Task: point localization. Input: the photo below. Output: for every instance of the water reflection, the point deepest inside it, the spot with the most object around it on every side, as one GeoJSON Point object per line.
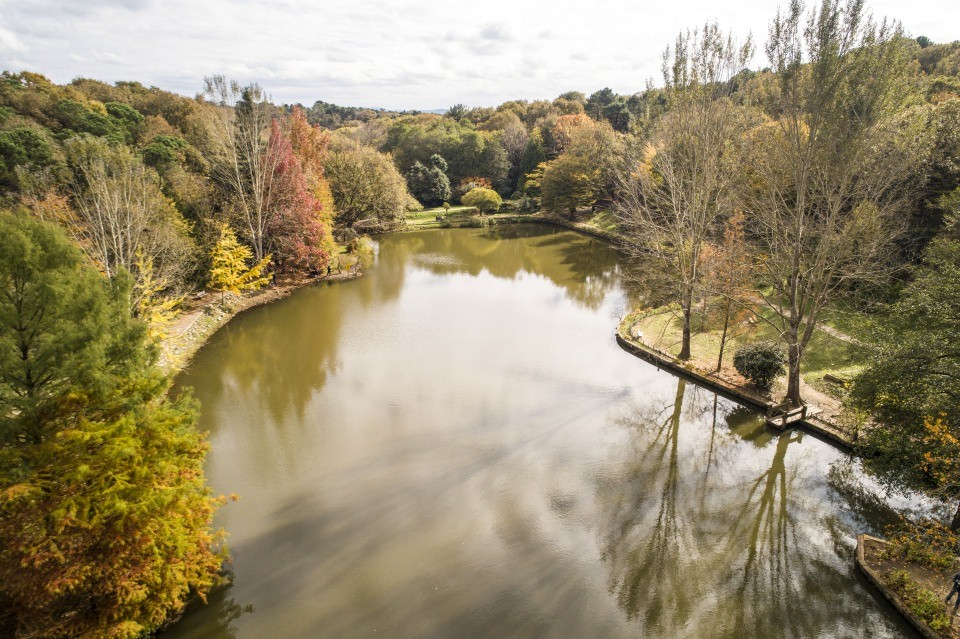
{"type": "Point", "coordinates": [584, 268]}
{"type": "Point", "coordinates": [703, 533]}
{"type": "Point", "coordinates": [454, 445]}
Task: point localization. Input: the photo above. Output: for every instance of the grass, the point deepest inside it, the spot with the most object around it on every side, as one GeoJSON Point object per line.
{"type": "Point", "coordinates": [844, 316]}
{"type": "Point", "coordinates": [825, 354]}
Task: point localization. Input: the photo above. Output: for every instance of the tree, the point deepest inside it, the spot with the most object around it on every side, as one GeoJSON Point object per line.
{"type": "Point", "coordinates": [824, 184]}
{"type": "Point", "coordinates": [298, 233]}
{"type": "Point", "coordinates": [311, 145]}
{"type": "Point", "coordinates": [105, 519]}
{"type": "Point", "coordinates": [365, 183]}
{"type": "Point", "coordinates": [429, 184]}
{"type": "Point", "coordinates": [487, 200]}
{"type": "Point", "coordinates": [681, 182]}
{"type": "Point", "coordinates": [239, 129]}
{"type": "Point", "coordinates": [22, 147]}
{"type": "Point", "coordinates": [456, 112]}
{"type": "Point", "coordinates": [912, 385]}
{"type": "Point", "coordinates": [618, 114]}
{"type": "Point", "coordinates": [120, 217]}
{"type": "Point", "coordinates": [228, 268]}
{"type": "Point", "coordinates": [533, 155]}
{"type": "Point", "coordinates": [598, 101]}
{"type": "Point", "coordinates": [729, 279]}
{"type": "Point", "coordinates": [568, 182]}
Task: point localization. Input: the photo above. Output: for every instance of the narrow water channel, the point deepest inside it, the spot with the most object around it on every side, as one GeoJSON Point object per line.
{"type": "Point", "coordinates": [455, 446]}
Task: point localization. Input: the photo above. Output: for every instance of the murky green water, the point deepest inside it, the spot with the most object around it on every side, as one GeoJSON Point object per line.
{"type": "Point", "coordinates": [454, 446]}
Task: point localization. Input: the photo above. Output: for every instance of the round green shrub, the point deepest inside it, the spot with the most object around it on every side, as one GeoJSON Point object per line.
{"type": "Point", "coordinates": [761, 363]}
{"type": "Point", "coordinates": [487, 200]}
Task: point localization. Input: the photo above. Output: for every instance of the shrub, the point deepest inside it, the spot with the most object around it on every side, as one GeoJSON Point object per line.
{"type": "Point", "coordinates": [927, 543]}
{"type": "Point", "coordinates": [760, 363]}
{"type": "Point", "coordinates": [925, 604]}
{"type": "Point", "coordinates": [487, 200]}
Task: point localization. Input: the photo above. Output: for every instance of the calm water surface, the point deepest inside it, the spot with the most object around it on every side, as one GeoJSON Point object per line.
{"type": "Point", "coordinates": [454, 446]}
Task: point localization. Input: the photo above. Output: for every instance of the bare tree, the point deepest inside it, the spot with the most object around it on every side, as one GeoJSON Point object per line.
{"type": "Point", "coordinates": [678, 186]}
{"type": "Point", "coordinates": [120, 217]}
{"type": "Point", "coordinates": [826, 174]}
{"type": "Point", "coordinates": [244, 163]}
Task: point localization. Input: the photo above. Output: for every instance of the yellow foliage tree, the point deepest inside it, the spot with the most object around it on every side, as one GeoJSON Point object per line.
{"type": "Point", "coordinates": [229, 272]}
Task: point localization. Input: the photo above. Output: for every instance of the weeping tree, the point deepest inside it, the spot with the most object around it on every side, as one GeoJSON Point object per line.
{"type": "Point", "coordinates": [826, 176]}
{"type": "Point", "coordinates": [678, 186]}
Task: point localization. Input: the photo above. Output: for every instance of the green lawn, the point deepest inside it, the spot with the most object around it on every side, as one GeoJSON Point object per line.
{"type": "Point", "coordinates": [825, 353]}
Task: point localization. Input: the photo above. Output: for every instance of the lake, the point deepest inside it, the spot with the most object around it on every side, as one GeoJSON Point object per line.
{"type": "Point", "coordinates": [455, 446]}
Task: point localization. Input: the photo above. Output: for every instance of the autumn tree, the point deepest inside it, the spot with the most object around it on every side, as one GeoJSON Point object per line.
{"type": "Point", "coordinates": [228, 266]}
{"type": "Point", "coordinates": [243, 162]}
{"type": "Point", "coordinates": [298, 235]}
{"type": "Point", "coordinates": [825, 179]}
{"type": "Point", "coordinates": [729, 280]}
{"type": "Point", "coordinates": [366, 184]}
{"type": "Point", "coordinates": [569, 182]}
{"type": "Point", "coordinates": [120, 217]}
{"type": "Point", "coordinates": [105, 519]}
{"type": "Point", "coordinates": [679, 186]}
{"type": "Point", "coordinates": [311, 145]}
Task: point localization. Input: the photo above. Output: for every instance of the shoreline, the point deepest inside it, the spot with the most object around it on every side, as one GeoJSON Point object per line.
{"type": "Point", "coordinates": [661, 359]}
{"type": "Point", "coordinates": [193, 328]}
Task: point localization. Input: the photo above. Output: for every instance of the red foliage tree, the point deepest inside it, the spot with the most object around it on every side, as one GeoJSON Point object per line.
{"type": "Point", "coordinates": [298, 230]}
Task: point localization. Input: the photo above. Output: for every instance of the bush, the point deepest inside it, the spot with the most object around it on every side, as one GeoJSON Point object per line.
{"type": "Point", "coordinates": [925, 604]}
{"type": "Point", "coordinates": [927, 543]}
{"type": "Point", "coordinates": [487, 200]}
{"type": "Point", "coordinates": [761, 363]}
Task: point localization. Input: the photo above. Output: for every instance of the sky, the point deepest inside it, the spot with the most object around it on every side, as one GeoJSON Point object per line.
{"type": "Point", "coordinates": [399, 54]}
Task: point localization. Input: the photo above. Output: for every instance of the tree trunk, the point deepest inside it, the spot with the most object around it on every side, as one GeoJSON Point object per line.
{"type": "Point", "coordinates": [723, 336]}
{"type": "Point", "coordinates": [687, 312]}
{"type": "Point", "coordinates": [955, 522]}
{"type": "Point", "coordinates": [793, 374]}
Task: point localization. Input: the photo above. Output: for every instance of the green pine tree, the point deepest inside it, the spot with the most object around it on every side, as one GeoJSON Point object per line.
{"type": "Point", "coordinates": [105, 518]}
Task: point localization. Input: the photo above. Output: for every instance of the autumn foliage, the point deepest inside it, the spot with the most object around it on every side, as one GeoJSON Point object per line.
{"type": "Point", "coordinates": [298, 233]}
{"type": "Point", "coordinates": [105, 518]}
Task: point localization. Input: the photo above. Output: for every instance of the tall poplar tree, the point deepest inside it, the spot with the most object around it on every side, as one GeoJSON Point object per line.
{"type": "Point", "coordinates": [825, 182]}
{"type": "Point", "coordinates": [678, 189]}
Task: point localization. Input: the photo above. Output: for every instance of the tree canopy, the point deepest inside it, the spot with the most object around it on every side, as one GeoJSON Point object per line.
{"type": "Point", "coordinates": [105, 519]}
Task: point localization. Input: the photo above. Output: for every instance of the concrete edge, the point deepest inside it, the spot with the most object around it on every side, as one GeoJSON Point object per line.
{"type": "Point", "coordinates": [579, 228]}
{"type": "Point", "coordinates": [664, 360]}
{"type": "Point", "coordinates": [888, 594]}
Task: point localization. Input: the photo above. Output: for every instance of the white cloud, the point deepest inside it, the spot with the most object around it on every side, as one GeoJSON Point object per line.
{"type": "Point", "coordinates": [398, 54]}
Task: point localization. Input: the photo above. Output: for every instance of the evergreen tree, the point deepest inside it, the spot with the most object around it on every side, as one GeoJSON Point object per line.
{"type": "Point", "coordinates": [228, 269]}
{"type": "Point", "coordinates": [430, 184]}
{"type": "Point", "coordinates": [533, 156]}
{"type": "Point", "coordinates": [912, 386]}
{"type": "Point", "coordinates": [104, 513]}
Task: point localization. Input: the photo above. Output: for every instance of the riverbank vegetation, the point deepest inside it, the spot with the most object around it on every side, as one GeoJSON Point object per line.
{"type": "Point", "coordinates": [822, 189]}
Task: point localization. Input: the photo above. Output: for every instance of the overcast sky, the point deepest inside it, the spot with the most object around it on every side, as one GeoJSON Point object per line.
{"type": "Point", "coordinates": [398, 54]}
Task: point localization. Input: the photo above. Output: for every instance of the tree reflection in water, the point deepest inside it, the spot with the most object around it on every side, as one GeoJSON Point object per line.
{"type": "Point", "coordinates": [646, 546]}
{"type": "Point", "coordinates": [707, 527]}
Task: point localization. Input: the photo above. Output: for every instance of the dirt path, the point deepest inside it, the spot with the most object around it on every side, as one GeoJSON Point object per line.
{"type": "Point", "coordinates": [840, 335]}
